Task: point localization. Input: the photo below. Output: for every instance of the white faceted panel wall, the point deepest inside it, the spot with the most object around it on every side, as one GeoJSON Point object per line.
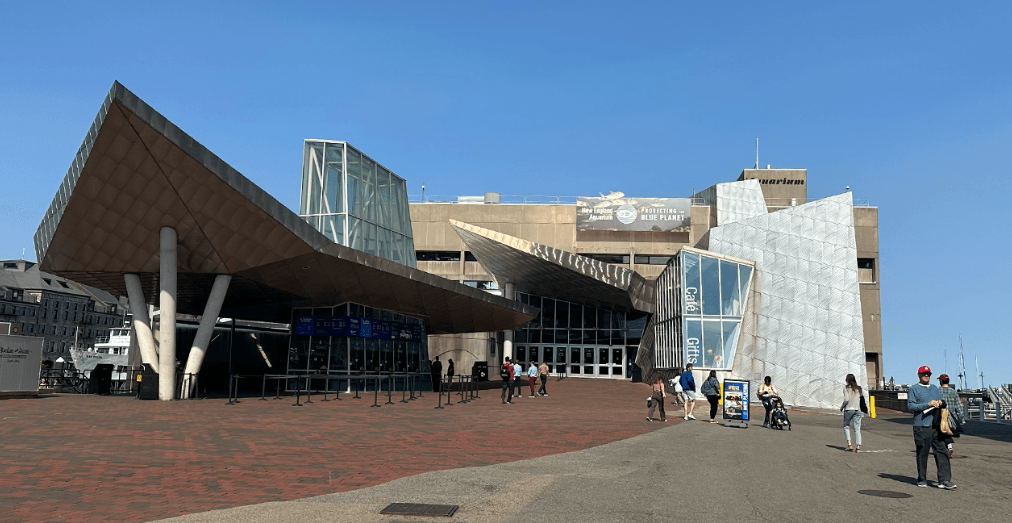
{"type": "Point", "coordinates": [737, 201]}
{"type": "Point", "coordinates": [808, 331]}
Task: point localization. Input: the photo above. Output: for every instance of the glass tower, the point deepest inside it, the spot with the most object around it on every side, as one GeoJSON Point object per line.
{"type": "Point", "coordinates": [355, 201]}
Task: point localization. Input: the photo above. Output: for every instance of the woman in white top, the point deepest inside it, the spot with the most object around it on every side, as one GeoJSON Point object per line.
{"type": "Point", "coordinates": [851, 408]}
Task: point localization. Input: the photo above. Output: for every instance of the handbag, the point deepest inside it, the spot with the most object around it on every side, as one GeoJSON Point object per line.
{"type": "Point", "coordinates": [678, 386]}
{"type": "Point", "coordinates": [650, 402]}
{"type": "Point", "coordinates": [944, 423]}
{"type": "Point", "coordinates": [864, 405]}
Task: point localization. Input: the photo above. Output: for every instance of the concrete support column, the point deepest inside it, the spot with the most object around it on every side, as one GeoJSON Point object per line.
{"type": "Point", "coordinates": [167, 306]}
{"type": "Point", "coordinates": [141, 321]}
{"type": "Point", "coordinates": [507, 344]}
{"type": "Point", "coordinates": [204, 332]}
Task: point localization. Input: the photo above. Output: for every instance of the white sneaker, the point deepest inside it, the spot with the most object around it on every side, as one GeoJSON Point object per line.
{"type": "Point", "coordinates": [690, 416]}
{"type": "Point", "coordinates": [686, 418]}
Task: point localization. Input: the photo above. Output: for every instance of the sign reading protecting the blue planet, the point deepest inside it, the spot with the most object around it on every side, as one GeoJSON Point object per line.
{"type": "Point", "coordinates": [615, 212]}
{"type": "Point", "coordinates": [356, 327]}
{"type": "Point", "coordinates": [736, 399]}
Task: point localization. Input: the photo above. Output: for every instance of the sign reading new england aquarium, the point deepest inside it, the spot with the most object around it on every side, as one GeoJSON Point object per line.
{"type": "Point", "coordinates": [736, 399]}
{"type": "Point", "coordinates": [610, 213]}
{"type": "Point", "coordinates": [356, 327]}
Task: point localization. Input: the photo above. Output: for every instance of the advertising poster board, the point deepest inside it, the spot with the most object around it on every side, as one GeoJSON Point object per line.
{"type": "Point", "coordinates": [20, 358]}
{"type": "Point", "coordinates": [736, 393]}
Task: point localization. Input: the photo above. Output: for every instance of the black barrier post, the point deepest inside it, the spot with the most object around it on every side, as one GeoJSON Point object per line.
{"type": "Point", "coordinates": [404, 390]}
{"type": "Point", "coordinates": [411, 379]}
{"type": "Point", "coordinates": [357, 386]}
{"type": "Point", "coordinates": [326, 387]}
{"type": "Point", "coordinates": [277, 388]}
{"type": "Point", "coordinates": [390, 389]}
{"type": "Point", "coordinates": [298, 391]}
{"type": "Point", "coordinates": [237, 388]}
{"type": "Point", "coordinates": [375, 397]}
{"type": "Point", "coordinates": [460, 388]}
{"type": "Point", "coordinates": [309, 388]}
{"type": "Point", "coordinates": [420, 382]}
{"type": "Point", "coordinates": [230, 402]}
{"type": "Point", "coordinates": [263, 391]}
{"type": "Point", "coordinates": [476, 396]}
{"type": "Point", "coordinates": [337, 393]}
{"type": "Point", "coordinates": [439, 395]}
{"type": "Point", "coordinates": [449, 390]}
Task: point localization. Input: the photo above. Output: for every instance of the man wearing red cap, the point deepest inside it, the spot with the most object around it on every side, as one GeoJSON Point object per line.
{"type": "Point", "coordinates": [925, 401]}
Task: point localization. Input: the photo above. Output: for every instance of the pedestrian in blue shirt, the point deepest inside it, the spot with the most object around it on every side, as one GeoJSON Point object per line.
{"type": "Point", "coordinates": [925, 401]}
{"type": "Point", "coordinates": [688, 384]}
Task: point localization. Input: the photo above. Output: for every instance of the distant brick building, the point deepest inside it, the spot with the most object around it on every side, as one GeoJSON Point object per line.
{"type": "Point", "coordinates": [56, 309]}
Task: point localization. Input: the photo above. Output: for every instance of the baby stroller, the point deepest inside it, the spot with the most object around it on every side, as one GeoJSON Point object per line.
{"type": "Point", "coordinates": [778, 416]}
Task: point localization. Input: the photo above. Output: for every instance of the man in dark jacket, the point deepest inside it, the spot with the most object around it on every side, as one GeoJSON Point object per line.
{"type": "Point", "coordinates": [437, 375]}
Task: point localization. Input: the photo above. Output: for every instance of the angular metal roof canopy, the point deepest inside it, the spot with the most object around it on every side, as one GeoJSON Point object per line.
{"type": "Point", "coordinates": [537, 268]}
{"type": "Point", "coordinates": [137, 172]}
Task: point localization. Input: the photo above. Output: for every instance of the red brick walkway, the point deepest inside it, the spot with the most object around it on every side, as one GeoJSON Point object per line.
{"type": "Point", "coordinates": [91, 458]}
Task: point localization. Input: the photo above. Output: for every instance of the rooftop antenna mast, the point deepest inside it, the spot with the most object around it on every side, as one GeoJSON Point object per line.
{"type": "Point", "coordinates": [962, 368]}
{"type": "Point", "coordinates": [979, 373]}
{"type": "Point", "coordinates": [756, 152]}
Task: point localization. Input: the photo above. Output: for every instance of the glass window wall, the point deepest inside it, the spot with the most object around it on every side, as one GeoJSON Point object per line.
{"type": "Point", "coordinates": [713, 301]}
{"type": "Point", "coordinates": [355, 201]}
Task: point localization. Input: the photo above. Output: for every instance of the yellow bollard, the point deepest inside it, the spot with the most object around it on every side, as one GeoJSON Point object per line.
{"type": "Point", "coordinates": [871, 406]}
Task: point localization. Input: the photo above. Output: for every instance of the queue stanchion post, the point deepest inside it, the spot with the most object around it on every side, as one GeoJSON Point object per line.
{"type": "Point", "coordinates": [460, 388]}
{"type": "Point", "coordinates": [309, 388]}
{"type": "Point", "coordinates": [237, 388]}
{"type": "Point", "coordinates": [439, 394]}
{"type": "Point", "coordinates": [404, 389]}
{"type": "Point", "coordinates": [263, 391]}
{"type": "Point", "coordinates": [358, 385]}
{"type": "Point", "coordinates": [411, 379]}
{"type": "Point", "coordinates": [449, 389]}
{"type": "Point", "coordinates": [230, 402]}
{"type": "Point", "coordinates": [375, 398]}
{"type": "Point", "coordinates": [337, 392]}
{"type": "Point", "coordinates": [326, 386]}
{"type": "Point", "coordinates": [390, 389]}
{"type": "Point", "coordinates": [298, 391]}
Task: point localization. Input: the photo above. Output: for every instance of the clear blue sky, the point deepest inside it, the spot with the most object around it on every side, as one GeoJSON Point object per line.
{"type": "Point", "coordinates": [908, 103]}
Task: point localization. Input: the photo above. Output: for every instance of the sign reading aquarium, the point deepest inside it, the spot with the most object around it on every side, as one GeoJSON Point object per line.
{"type": "Point", "coordinates": [615, 212]}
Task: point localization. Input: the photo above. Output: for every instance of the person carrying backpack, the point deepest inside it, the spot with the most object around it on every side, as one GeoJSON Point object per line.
{"type": "Point", "coordinates": [506, 374]}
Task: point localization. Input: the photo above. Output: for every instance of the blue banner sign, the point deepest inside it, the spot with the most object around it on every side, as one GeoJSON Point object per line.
{"type": "Point", "coordinates": [305, 326]}
{"type": "Point", "coordinates": [356, 327]}
{"type": "Point", "coordinates": [736, 399]}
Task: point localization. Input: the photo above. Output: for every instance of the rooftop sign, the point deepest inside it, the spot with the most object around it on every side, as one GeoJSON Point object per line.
{"type": "Point", "coordinates": [618, 213]}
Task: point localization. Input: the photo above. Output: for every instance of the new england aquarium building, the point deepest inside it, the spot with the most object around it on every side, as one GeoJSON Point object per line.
{"type": "Point", "coordinates": [749, 277]}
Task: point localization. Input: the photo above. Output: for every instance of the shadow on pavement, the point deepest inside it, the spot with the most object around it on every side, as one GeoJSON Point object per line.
{"type": "Point", "coordinates": [837, 447]}
{"type": "Point", "coordinates": [897, 477]}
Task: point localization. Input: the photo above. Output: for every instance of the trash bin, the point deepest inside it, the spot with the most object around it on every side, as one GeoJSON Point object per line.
{"type": "Point", "coordinates": [149, 383]}
{"type": "Point", "coordinates": [480, 369]}
{"type": "Point", "coordinates": [101, 379]}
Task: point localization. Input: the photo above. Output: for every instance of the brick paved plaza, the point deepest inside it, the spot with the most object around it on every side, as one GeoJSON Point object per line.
{"type": "Point", "coordinates": [99, 458]}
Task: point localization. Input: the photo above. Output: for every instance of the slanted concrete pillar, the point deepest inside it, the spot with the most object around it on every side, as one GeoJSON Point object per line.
{"type": "Point", "coordinates": [204, 332]}
{"type": "Point", "coordinates": [167, 322]}
{"type": "Point", "coordinates": [142, 321]}
{"type": "Point", "coordinates": [507, 344]}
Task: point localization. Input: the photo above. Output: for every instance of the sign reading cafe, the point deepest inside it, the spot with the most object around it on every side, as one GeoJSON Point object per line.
{"type": "Point", "coordinates": [615, 212]}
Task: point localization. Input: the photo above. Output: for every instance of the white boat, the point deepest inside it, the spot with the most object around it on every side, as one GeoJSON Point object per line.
{"type": "Point", "coordinates": [114, 350]}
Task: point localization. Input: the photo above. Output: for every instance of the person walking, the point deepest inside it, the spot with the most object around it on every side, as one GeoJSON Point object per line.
{"type": "Point", "coordinates": [657, 398]}
{"type": "Point", "coordinates": [449, 369]}
{"type": "Point", "coordinates": [532, 376]}
{"type": "Point", "coordinates": [851, 408]}
{"type": "Point", "coordinates": [956, 409]}
{"type": "Point", "coordinates": [711, 389]}
{"type": "Point", "coordinates": [518, 376]}
{"type": "Point", "coordinates": [506, 374]}
{"type": "Point", "coordinates": [543, 371]}
{"type": "Point", "coordinates": [766, 393]}
{"type": "Point", "coordinates": [688, 383]}
{"type": "Point", "coordinates": [924, 400]}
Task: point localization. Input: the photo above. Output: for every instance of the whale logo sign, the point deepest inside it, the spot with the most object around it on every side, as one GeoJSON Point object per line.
{"type": "Point", "coordinates": [626, 214]}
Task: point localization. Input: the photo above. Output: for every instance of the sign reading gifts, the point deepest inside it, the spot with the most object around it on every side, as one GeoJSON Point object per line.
{"type": "Point", "coordinates": [736, 399]}
{"type": "Point", "coordinates": [356, 327]}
